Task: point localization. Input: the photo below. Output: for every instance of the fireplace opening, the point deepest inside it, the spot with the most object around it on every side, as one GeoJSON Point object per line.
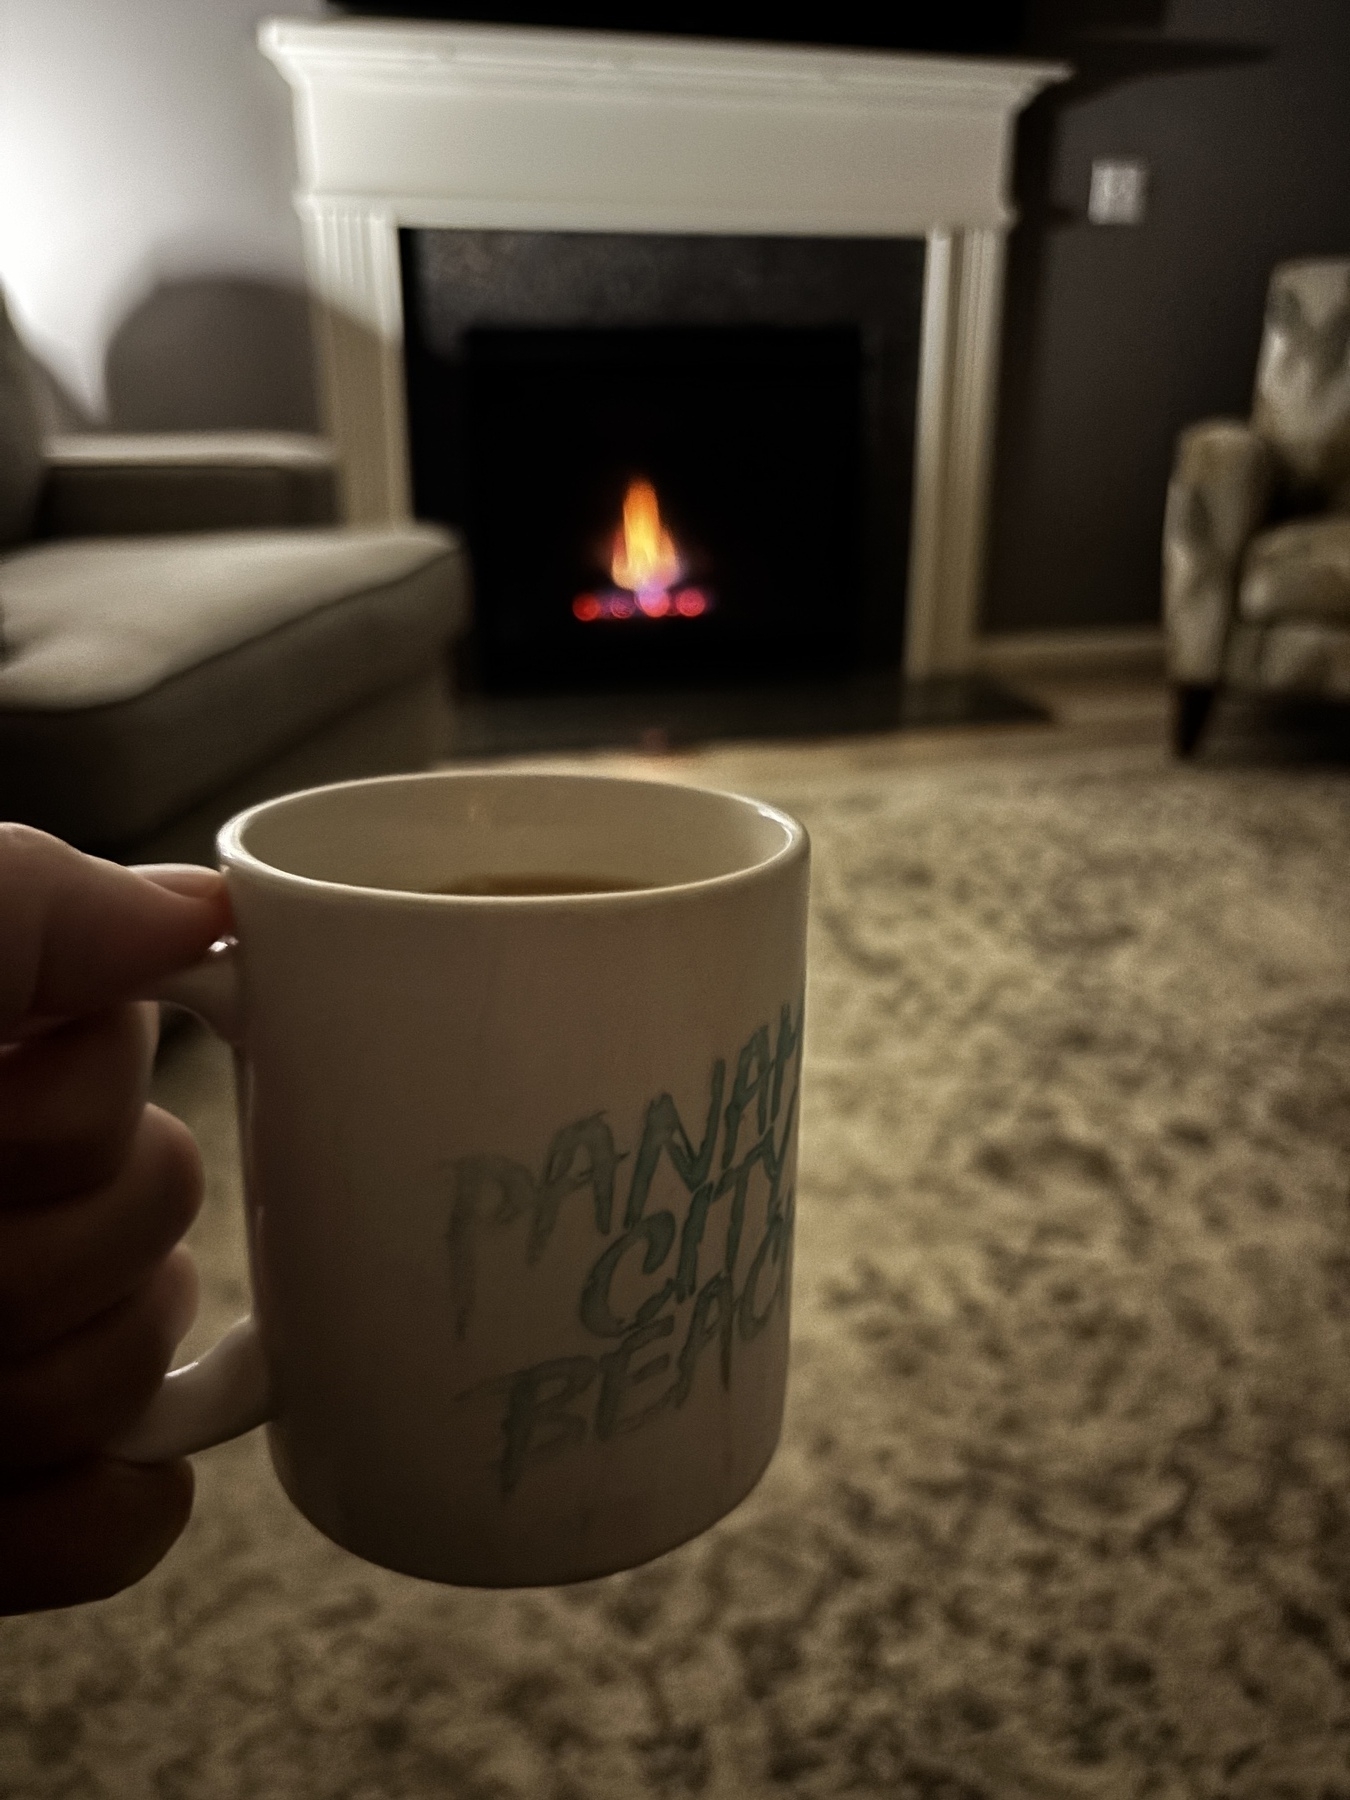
{"type": "Point", "coordinates": [746, 404]}
{"type": "Point", "coordinates": [663, 506]}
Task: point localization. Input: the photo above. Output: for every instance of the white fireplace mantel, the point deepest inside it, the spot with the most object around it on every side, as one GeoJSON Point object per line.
{"type": "Point", "coordinates": [512, 128]}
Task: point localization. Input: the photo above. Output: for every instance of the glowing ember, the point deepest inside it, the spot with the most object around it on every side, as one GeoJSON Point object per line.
{"type": "Point", "coordinates": [610, 603]}
{"type": "Point", "coordinates": [646, 569]}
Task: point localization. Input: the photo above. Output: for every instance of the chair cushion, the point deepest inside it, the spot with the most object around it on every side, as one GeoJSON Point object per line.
{"type": "Point", "coordinates": [1298, 571]}
{"type": "Point", "coordinates": [104, 619]}
{"type": "Point", "coordinates": [1302, 404]}
{"type": "Point", "coordinates": [22, 465]}
{"type": "Point", "coordinates": [1297, 656]}
{"type": "Point", "coordinates": [105, 774]}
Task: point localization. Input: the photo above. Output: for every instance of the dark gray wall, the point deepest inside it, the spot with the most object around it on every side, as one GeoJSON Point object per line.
{"type": "Point", "coordinates": [1117, 336]}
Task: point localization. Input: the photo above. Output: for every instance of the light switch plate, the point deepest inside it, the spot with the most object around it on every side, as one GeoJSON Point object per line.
{"type": "Point", "coordinates": [1119, 191]}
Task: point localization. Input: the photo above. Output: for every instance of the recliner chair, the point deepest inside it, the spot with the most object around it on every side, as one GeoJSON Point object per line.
{"type": "Point", "coordinates": [1256, 538]}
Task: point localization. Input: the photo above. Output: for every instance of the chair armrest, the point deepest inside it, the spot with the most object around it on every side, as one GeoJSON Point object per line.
{"type": "Point", "coordinates": [152, 482]}
{"type": "Point", "coordinates": [1217, 497]}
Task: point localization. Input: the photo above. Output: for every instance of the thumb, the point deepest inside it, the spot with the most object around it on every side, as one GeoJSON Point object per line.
{"type": "Point", "coordinates": [85, 1533]}
{"type": "Point", "coordinates": [79, 934]}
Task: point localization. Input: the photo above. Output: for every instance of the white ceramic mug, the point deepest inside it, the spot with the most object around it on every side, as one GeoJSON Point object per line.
{"type": "Point", "coordinates": [519, 1169]}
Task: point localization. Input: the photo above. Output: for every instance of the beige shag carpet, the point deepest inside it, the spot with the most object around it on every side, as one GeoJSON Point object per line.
{"type": "Point", "coordinates": [1062, 1510]}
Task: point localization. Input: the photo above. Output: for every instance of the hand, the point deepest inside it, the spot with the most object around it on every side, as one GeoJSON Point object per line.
{"type": "Point", "coordinates": [96, 1189]}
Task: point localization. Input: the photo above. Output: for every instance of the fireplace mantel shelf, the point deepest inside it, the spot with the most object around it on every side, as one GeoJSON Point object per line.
{"type": "Point", "coordinates": [506, 128]}
{"type": "Point", "coordinates": [496, 57]}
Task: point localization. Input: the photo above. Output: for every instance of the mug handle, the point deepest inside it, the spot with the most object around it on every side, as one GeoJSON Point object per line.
{"type": "Point", "coordinates": [228, 1391]}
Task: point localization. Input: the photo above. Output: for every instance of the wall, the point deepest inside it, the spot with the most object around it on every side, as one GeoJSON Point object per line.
{"type": "Point", "coordinates": [147, 239]}
{"type": "Point", "coordinates": [1117, 336]}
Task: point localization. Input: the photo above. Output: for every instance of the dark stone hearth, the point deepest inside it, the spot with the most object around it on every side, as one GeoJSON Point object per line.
{"type": "Point", "coordinates": [513, 725]}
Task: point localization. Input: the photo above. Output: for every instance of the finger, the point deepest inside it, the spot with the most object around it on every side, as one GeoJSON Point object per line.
{"type": "Point", "coordinates": [80, 1394]}
{"type": "Point", "coordinates": [63, 1266]}
{"type": "Point", "coordinates": [82, 934]}
{"type": "Point", "coordinates": [88, 1532]}
{"type": "Point", "coordinates": [193, 879]}
{"type": "Point", "coordinates": [70, 1102]}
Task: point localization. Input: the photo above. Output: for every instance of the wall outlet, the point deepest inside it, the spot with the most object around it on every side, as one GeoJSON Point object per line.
{"type": "Point", "coordinates": [1119, 192]}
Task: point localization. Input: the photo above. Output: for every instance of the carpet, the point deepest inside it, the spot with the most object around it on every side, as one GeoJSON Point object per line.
{"type": "Point", "coordinates": [1062, 1509]}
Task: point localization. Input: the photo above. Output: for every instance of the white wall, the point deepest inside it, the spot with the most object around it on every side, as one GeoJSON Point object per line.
{"type": "Point", "coordinates": [146, 162]}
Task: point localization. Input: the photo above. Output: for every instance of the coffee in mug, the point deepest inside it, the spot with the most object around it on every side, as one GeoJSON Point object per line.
{"type": "Point", "coordinates": [519, 1164]}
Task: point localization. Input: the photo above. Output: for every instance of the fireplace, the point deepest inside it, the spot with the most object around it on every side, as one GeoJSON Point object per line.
{"type": "Point", "coordinates": [754, 399]}
{"type": "Point", "coordinates": [641, 511]}
{"type": "Point", "coordinates": [404, 126]}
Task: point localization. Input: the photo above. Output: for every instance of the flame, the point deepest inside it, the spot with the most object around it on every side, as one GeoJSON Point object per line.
{"type": "Point", "coordinates": [645, 558]}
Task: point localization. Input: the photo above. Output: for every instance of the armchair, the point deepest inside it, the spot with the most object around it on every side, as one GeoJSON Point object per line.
{"type": "Point", "coordinates": [184, 629]}
{"type": "Point", "coordinates": [1256, 535]}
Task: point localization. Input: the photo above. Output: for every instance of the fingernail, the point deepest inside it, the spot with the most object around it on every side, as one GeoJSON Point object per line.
{"type": "Point", "coordinates": [191, 879]}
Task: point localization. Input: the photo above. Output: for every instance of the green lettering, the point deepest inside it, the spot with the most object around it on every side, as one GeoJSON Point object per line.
{"type": "Point", "coordinates": [592, 1140]}
{"type": "Point", "coordinates": [772, 1246]}
{"type": "Point", "coordinates": [536, 1425]}
{"type": "Point", "coordinates": [657, 1231]}
{"type": "Point", "coordinates": [775, 1157]}
{"type": "Point", "coordinates": [736, 1182]}
{"type": "Point", "coordinates": [754, 1079]}
{"type": "Point", "coordinates": [686, 1275]}
{"type": "Point", "coordinates": [711, 1322]}
{"type": "Point", "coordinates": [788, 1049]}
{"type": "Point", "coordinates": [662, 1129]}
{"type": "Point", "coordinates": [618, 1375]}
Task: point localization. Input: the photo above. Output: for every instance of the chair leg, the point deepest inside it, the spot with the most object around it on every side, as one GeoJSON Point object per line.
{"type": "Point", "coordinates": [1193, 702]}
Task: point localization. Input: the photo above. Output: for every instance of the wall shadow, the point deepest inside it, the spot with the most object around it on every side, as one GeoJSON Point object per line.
{"type": "Point", "coordinates": [58, 409]}
{"type": "Point", "coordinates": [211, 354]}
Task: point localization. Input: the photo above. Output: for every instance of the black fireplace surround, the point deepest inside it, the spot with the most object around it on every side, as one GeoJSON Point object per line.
{"type": "Point", "coordinates": [765, 386]}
